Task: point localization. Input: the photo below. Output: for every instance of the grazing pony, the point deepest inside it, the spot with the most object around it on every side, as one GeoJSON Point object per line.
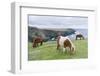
{"type": "Point", "coordinates": [65, 42]}
{"type": "Point", "coordinates": [37, 41]}
{"type": "Point", "coordinates": [80, 36]}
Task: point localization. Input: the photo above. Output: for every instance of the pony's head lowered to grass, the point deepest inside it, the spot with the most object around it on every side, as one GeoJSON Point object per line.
{"type": "Point", "coordinates": [65, 43]}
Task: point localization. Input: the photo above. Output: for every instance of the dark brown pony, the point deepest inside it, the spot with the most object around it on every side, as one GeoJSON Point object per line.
{"type": "Point", "coordinates": [79, 36]}
{"type": "Point", "coordinates": [37, 41]}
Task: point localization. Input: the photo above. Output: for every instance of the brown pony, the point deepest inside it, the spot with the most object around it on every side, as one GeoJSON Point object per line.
{"type": "Point", "coordinates": [37, 41]}
{"type": "Point", "coordinates": [79, 36]}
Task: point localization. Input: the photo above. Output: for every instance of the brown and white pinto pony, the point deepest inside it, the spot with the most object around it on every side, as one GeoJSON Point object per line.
{"type": "Point", "coordinates": [37, 41]}
{"type": "Point", "coordinates": [65, 43]}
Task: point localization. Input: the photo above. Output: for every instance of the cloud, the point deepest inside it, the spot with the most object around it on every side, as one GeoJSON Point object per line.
{"type": "Point", "coordinates": [58, 22]}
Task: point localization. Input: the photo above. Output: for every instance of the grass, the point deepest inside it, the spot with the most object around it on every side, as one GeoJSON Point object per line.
{"type": "Point", "coordinates": [48, 51]}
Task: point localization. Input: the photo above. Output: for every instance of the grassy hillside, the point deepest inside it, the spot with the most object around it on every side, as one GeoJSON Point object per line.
{"type": "Point", "coordinates": [48, 51]}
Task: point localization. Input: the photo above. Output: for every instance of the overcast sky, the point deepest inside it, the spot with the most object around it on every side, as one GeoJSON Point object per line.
{"type": "Point", "coordinates": [58, 22]}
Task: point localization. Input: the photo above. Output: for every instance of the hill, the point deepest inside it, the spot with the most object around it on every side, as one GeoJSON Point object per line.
{"type": "Point", "coordinates": [47, 34]}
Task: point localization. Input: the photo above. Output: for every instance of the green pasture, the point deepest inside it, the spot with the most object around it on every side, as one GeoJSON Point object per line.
{"type": "Point", "coordinates": [48, 51]}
